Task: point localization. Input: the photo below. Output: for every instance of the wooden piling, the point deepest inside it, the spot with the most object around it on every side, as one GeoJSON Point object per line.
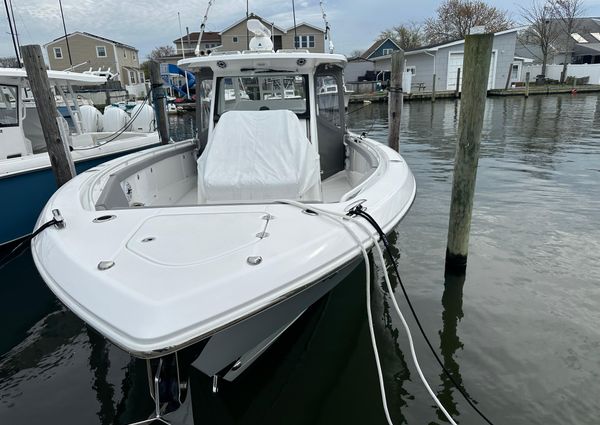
{"type": "Point", "coordinates": [159, 100]}
{"type": "Point", "coordinates": [476, 66]}
{"type": "Point", "coordinates": [457, 89]}
{"type": "Point", "coordinates": [527, 75]}
{"type": "Point", "coordinates": [433, 89]}
{"type": "Point", "coordinates": [58, 149]}
{"type": "Point", "coordinates": [395, 99]}
{"type": "Point", "coordinates": [510, 66]}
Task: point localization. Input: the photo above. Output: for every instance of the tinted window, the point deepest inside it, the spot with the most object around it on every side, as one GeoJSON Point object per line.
{"type": "Point", "coordinates": [9, 115]}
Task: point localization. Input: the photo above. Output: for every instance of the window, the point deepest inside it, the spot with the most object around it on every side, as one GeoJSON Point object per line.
{"type": "Point", "coordinates": [514, 72]}
{"type": "Point", "coordinates": [411, 69]}
{"type": "Point", "coordinates": [578, 38]}
{"type": "Point", "coordinates": [101, 51]}
{"type": "Point", "coordinates": [235, 39]}
{"type": "Point", "coordinates": [58, 53]}
{"type": "Point", "coordinates": [256, 93]}
{"type": "Point", "coordinates": [596, 35]}
{"type": "Point", "coordinates": [133, 56]}
{"type": "Point", "coordinates": [9, 102]}
{"type": "Point", "coordinates": [125, 53]}
{"type": "Point", "coordinates": [328, 103]}
{"type": "Point", "coordinates": [132, 77]}
{"type": "Point", "coordinates": [387, 52]}
{"type": "Point", "coordinates": [142, 79]}
{"type": "Point", "coordinates": [304, 41]}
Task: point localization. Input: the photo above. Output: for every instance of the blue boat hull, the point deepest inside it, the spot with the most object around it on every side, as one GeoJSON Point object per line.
{"type": "Point", "coordinates": [24, 196]}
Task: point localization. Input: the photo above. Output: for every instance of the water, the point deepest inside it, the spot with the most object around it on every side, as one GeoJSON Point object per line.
{"type": "Point", "coordinates": [520, 332]}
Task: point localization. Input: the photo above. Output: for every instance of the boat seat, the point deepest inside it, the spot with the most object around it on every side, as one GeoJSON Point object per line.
{"type": "Point", "coordinates": [258, 156]}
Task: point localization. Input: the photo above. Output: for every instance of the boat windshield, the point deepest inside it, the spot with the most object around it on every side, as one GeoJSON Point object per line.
{"type": "Point", "coordinates": [259, 93]}
{"type": "Point", "coordinates": [9, 116]}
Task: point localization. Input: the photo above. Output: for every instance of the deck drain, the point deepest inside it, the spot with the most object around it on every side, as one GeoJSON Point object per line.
{"type": "Point", "coordinates": [149, 239]}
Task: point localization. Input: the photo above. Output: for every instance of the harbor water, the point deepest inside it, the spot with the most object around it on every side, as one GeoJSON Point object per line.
{"type": "Point", "coordinates": [520, 331]}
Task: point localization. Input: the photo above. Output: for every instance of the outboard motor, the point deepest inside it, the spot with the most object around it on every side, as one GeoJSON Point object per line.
{"type": "Point", "coordinates": [91, 119]}
{"type": "Point", "coordinates": [142, 118]}
{"type": "Point", "coordinates": [115, 119]}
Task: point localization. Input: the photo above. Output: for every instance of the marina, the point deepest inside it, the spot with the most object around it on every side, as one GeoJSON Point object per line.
{"type": "Point", "coordinates": [254, 228]}
{"type": "Point", "coordinates": [521, 322]}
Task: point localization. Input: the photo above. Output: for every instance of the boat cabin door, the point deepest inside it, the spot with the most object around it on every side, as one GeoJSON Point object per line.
{"type": "Point", "coordinates": [13, 143]}
{"type": "Point", "coordinates": [331, 123]}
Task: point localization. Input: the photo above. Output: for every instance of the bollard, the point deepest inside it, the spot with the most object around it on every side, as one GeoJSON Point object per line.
{"type": "Point", "coordinates": [58, 149]}
{"type": "Point", "coordinates": [395, 100]}
{"type": "Point", "coordinates": [478, 53]}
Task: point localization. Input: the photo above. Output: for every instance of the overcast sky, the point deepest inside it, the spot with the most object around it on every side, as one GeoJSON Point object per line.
{"type": "Point", "coordinates": [354, 23]}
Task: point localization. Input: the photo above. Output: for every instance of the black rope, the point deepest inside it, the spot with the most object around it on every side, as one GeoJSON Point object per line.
{"type": "Point", "coordinates": [18, 250]}
{"type": "Point", "coordinates": [359, 211]}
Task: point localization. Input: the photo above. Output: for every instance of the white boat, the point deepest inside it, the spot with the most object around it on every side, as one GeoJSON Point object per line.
{"type": "Point", "coordinates": [330, 89]}
{"type": "Point", "coordinates": [179, 245]}
{"type": "Point", "coordinates": [26, 180]}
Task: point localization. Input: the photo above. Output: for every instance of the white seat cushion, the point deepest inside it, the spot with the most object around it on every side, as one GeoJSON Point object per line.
{"type": "Point", "coordinates": [257, 156]}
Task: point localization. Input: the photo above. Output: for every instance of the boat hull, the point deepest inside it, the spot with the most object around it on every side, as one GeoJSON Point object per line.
{"type": "Point", "coordinates": [26, 193]}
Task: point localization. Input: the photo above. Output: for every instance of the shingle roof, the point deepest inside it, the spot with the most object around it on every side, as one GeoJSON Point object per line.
{"type": "Point", "coordinates": [207, 36]}
{"type": "Point", "coordinates": [367, 54]}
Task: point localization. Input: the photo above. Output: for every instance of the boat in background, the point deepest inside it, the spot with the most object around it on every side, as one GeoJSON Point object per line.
{"type": "Point", "coordinates": [26, 179]}
{"type": "Point", "coordinates": [217, 246]}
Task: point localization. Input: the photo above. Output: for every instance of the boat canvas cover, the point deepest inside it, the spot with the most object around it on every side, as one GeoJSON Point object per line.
{"type": "Point", "coordinates": [257, 156]}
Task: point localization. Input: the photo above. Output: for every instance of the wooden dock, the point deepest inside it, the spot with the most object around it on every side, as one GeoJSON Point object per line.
{"type": "Point", "coordinates": [533, 90]}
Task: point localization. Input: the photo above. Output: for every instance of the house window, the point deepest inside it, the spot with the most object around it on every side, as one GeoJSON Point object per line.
{"type": "Point", "coordinates": [141, 77]}
{"type": "Point", "coordinates": [101, 51]}
{"type": "Point", "coordinates": [411, 69]}
{"type": "Point", "coordinates": [58, 53]}
{"type": "Point", "coordinates": [132, 77]}
{"type": "Point", "coordinates": [235, 39]}
{"type": "Point", "coordinates": [387, 52]}
{"type": "Point", "coordinates": [578, 38]}
{"type": "Point", "coordinates": [304, 41]}
{"type": "Point", "coordinates": [514, 73]}
{"type": "Point", "coordinates": [133, 55]}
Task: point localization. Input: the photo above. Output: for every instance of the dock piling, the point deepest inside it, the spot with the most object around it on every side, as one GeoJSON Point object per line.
{"type": "Point", "coordinates": [159, 100]}
{"type": "Point", "coordinates": [61, 161]}
{"type": "Point", "coordinates": [395, 99]}
{"type": "Point", "coordinates": [433, 89]}
{"type": "Point", "coordinates": [478, 52]}
{"type": "Point", "coordinates": [527, 76]}
{"type": "Point", "coordinates": [457, 89]}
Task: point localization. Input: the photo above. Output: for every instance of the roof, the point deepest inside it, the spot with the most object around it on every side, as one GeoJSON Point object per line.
{"type": "Point", "coordinates": [378, 43]}
{"type": "Point", "coordinates": [55, 77]}
{"type": "Point", "coordinates": [206, 36]}
{"type": "Point", "coordinates": [438, 46]}
{"type": "Point", "coordinates": [232, 62]}
{"type": "Point", "coordinates": [252, 16]}
{"type": "Point", "coordinates": [306, 24]}
{"type": "Point", "coordinates": [97, 37]}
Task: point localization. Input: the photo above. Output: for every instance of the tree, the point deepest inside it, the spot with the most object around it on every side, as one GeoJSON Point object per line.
{"type": "Point", "coordinates": [9, 62]}
{"type": "Point", "coordinates": [455, 18]}
{"type": "Point", "coordinates": [543, 30]}
{"type": "Point", "coordinates": [161, 51]}
{"type": "Point", "coordinates": [567, 13]}
{"type": "Point", "coordinates": [407, 36]}
{"type": "Point", "coordinates": [356, 53]}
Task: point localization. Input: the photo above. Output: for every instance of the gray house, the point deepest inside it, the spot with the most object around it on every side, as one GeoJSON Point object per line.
{"type": "Point", "coordinates": [445, 59]}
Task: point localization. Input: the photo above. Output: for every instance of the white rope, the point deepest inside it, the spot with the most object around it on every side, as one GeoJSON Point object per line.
{"type": "Point", "coordinates": [343, 219]}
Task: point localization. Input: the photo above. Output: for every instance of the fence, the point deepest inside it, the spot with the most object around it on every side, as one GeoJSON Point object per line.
{"type": "Point", "coordinates": [553, 71]}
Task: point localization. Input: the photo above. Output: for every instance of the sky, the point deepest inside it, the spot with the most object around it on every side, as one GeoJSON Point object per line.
{"type": "Point", "coordinates": [355, 24]}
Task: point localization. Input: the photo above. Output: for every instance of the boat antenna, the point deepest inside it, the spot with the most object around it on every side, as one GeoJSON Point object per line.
{"type": "Point", "coordinates": [12, 33]}
{"type": "Point", "coordinates": [12, 12]}
{"type": "Point", "coordinates": [198, 49]}
{"type": "Point", "coordinates": [247, 17]}
{"type": "Point", "coordinates": [65, 29]}
{"type": "Point", "coordinates": [296, 40]}
{"type": "Point", "coordinates": [327, 27]}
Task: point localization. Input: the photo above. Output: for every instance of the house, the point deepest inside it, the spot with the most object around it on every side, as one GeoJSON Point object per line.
{"type": "Point", "coordinates": [302, 36]}
{"type": "Point", "coordinates": [89, 51]}
{"type": "Point", "coordinates": [443, 60]}
{"type": "Point", "coordinates": [382, 47]}
{"type": "Point", "coordinates": [583, 44]}
{"type": "Point", "coordinates": [210, 41]}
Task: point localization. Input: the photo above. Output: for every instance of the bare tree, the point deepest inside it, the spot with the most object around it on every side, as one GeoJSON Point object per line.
{"type": "Point", "coordinates": [406, 36]}
{"type": "Point", "coordinates": [543, 30]}
{"type": "Point", "coordinates": [357, 53]}
{"type": "Point", "coordinates": [161, 51]}
{"type": "Point", "coordinates": [9, 62]}
{"type": "Point", "coordinates": [567, 13]}
{"type": "Point", "coordinates": [455, 18]}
